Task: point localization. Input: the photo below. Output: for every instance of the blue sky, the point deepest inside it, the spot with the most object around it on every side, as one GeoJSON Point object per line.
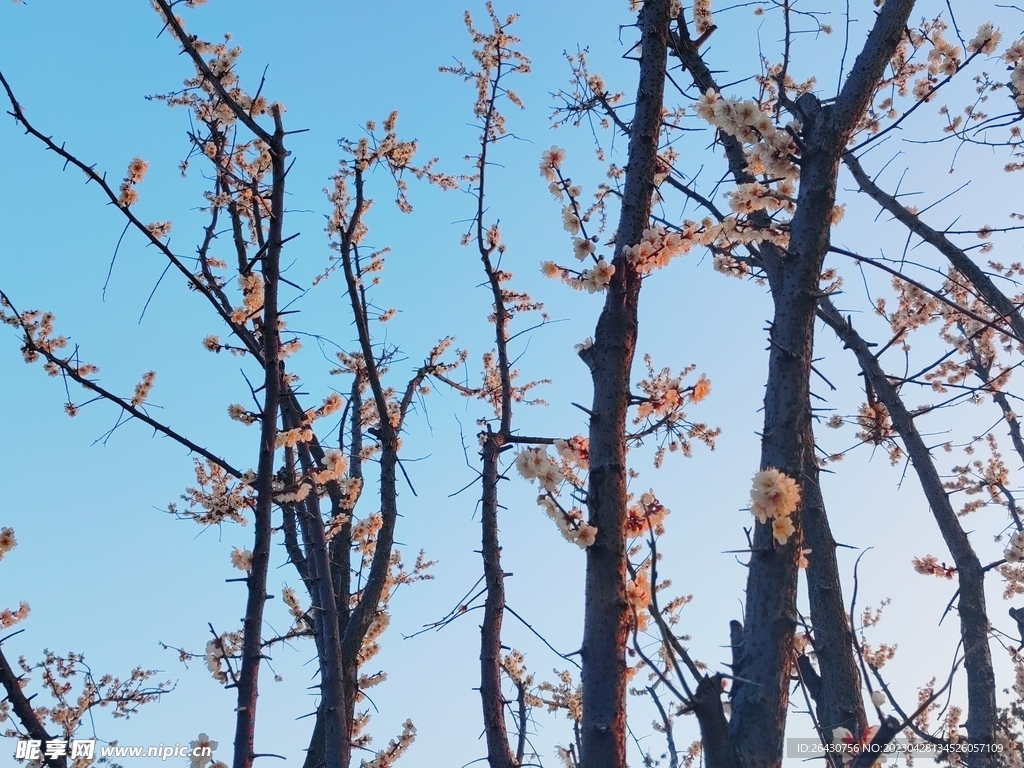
{"type": "Point", "coordinates": [109, 574]}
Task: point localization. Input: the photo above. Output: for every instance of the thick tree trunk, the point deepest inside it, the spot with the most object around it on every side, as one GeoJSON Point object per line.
{"type": "Point", "coordinates": [610, 359]}
{"type": "Point", "coordinates": [252, 638]}
{"type": "Point", "coordinates": [838, 700]}
{"type": "Point", "coordinates": [499, 754]}
{"type": "Point", "coordinates": [974, 625]}
{"type": "Point", "coordinates": [759, 703]}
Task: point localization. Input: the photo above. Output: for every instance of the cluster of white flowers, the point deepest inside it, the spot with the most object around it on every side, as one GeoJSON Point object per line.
{"type": "Point", "coordinates": [648, 515]}
{"type": "Point", "coordinates": [730, 266]}
{"type": "Point", "coordinates": [252, 298]}
{"type": "Point", "coordinates": [638, 592]}
{"type": "Point", "coordinates": [1014, 57]}
{"type": "Point", "coordinates": [218, 650]}
{"type": "Point", "coordinates": [774, 496]}
{"type": "Point", "coordinates": [241, 559]}
{"type": "Point", "coordinates": [136, 171]}
{"type": "Point", "coordinates": [850, 748]}
{"type": "Point", "coordinates": [219, 497]}
{"type": "Point", "coordinates": [875, 423]}
{"type": "Point", "coordinates": [292, 601]}
{"type": "Point", "coordinates": [237, 412]}
{"type": "Point", "coordinates": [598, 277]}
{"type": "Point", "coordinates": [199, 745]}
{"type": "Point", "coordinates": [571, 524]}
{"type": "Point", "coordinates": [658, 247]}
{"type": "Point", "coordinates": [770, 149]}
{"type": "Point", "coordinates": [293, 496]}
{"type": "Point", "coordinates": [575, 451]}
{"type": "Point", "coordinates": [7, 541]}
{"type": "Point", "coordinates": [570, 221]}
{"type": "Point", "coordinates": [733, 231]}
{"type": "Point", "coordinates": [747, 198]}
{"type": "Point", "coordinates": [1010, 748]}
{"type": "Point", "coordinates": [1014, 552]}
{"type": "Point", "coordinates": [537, 464]}
{"type": "Point", "coordinates": [143, 388]}
{"type": "Point", "coordinates": [9, 618]}
{"type": "Point", "coordinates": [929, 565]}
{"type": "Point", "coordinates": [986, 41]}
{"type": "Point", "coordinates": [550, 473]}
{"type": "Point", "coordinates": [335, 465]}
{"type": "Point", "coordinates": [944, 57]}
{"type": "Point", "coordinates": [666, 394]}
{"type": "Point", "coordinates": [289, 438]}
{"type": "Point", "coordinates": [396, 747]}
{"type": "Point", "coordinates": [592, 280]}
{"type": "Point", "coordinates": [582, 247]}
{"type": "Point", "coordinates": [550, 161]}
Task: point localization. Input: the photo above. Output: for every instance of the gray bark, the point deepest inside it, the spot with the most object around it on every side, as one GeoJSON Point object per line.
{"type": "Point", "coordinates": [606, 617]}
{"type": "Point", "coordinates": [974, 625]}
{"type": "Point", "coordinates": [759, 705]}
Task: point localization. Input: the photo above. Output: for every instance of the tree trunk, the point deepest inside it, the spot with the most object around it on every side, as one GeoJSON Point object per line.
{"type": "Point", "coordinates": [610, 359]}
{"type": "Point", "coordinates": [974, 625]}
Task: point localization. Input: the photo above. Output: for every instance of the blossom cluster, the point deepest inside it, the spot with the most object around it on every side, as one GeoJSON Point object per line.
{"type": "Point", "coordinates": [7, 541]}
{"type": "Point", "coordinates": [660, 411]}
{"type": "Point", "coordinates": [395, 748]}
{"type": "Point", "coordinates": [657, 247]}
{"type": "Point", "coordinates": [647, 515]}
{"type": "Point", "coordinates": [875, 423]}
{"type": "Point", "coordinates": [1014, 58]}
{"type": "Point", "coordinates": [219, 650]}
{"type": "Point", "coordinates": [592, 280]}
{"type": "Point", "coordinates": [218, 495]}
{"type": "Point", "coordinates": [551, 474]}
{"type": "Point", "coordinates": [770, 149]}
{"type": "Point", "coordinates": [731, 266]}
{"type": "Point", "coordinates": [774, 496]}
{"type": "Point", "coordinates": [143, 388]}
{"type": "Point", "coordinates": [848, 746]}
{"type": "Point", "coordinates": [241, 559]}
{"type": "Point", "coordinates": [252, 297]}
{"type": "Point", "coordinates": [666, 394]}
{"type": "Point", "coordinates": [986, 40]}
{"type": "Point", "coordinates": [944, 57]}
{"type": "Point", "coordinates": [638, 596]}
{"type": "Point", "coordinates": [202, 742]}
{"type": "Point", "coordinates": [9, 618]}
{"type": "Point", "coordinates": [37, 328]}
{"type": "Point", "coordinates": [571, 524]}
{"type": "Point", "coordinates": [292, 601]}
{"type": "Point", "coordinates": [1014, 552]}
{"type": "Point", "coordinates": [929, 565]}
{"type": "Point", "coordinates": [136, 171]}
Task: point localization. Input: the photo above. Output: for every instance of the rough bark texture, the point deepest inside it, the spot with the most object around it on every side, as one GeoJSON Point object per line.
{"type": "Point", "coordinates": [252, 640]}
{"type": "Point", "coordinates": [759, 704]}
{"type": "Point", "coordinates": [492, 701]}
{"type": "Point", "coordinates": [21, 706]}
{"type": "Point", "coordinates": [333, 712]}
{"type": "Point", "coordinates": [499, 753]}
{"type": "Point", "coordinates": [974, 625]}
{"type": "Point", "coordinates": [837, 699]}
{"type": "Point", "coordinates": [603, 728]}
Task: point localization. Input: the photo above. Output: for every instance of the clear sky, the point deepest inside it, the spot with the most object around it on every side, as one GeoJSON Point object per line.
{"type": "Point", "coordinates": [111, 575]}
